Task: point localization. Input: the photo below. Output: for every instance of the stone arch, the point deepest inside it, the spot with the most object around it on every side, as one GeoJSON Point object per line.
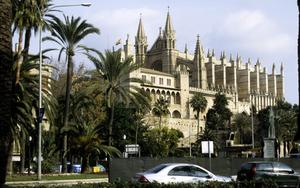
{"type": "Point", "coordinates": [176, 114]}
{"type": "Point", "coordinates": [157, 65]}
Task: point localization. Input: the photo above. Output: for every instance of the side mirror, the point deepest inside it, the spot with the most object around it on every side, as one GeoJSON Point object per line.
{"type": "Point", "coordinates": [208, 176]}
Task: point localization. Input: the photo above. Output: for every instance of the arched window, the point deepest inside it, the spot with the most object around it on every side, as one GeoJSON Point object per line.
{"type": "Point", "coordinates": [177, 99]}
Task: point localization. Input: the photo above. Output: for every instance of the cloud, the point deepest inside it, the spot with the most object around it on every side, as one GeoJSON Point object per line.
{"type": "Point", "coordinates": [252, 30]}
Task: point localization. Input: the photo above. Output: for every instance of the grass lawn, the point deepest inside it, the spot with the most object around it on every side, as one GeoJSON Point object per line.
{"type": "Point", "coordinates": [33, 177]}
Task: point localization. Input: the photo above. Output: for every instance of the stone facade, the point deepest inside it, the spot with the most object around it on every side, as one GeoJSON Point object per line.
{"type": "Point", "coordinates": [179, 75]}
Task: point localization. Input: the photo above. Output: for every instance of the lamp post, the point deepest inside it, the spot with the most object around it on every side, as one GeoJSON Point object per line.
{"type": "Point", "coordinates": [41, 110]}
{"type": "Point", "coordinates": [253, 95]}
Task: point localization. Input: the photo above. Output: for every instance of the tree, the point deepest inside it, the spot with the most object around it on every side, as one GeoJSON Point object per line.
{"type": "Point", "coordinates": [218, 117]}
{"type": "Point", "coordinates": [242, 124]}
{"type": "Point", "coordinates": [161, 142]}
{"type": "Point", "coordinates": [68, 34]}
{"type": "Point", "coordinates": [87, 141]}
{"type": "Point", "coordinates": [160, 108]}
{"type": "Point", "coordinates": [285, 123]}
{"type": "Point", "coordinates": [199, 104]}
{"type": "Point", "coordinates": [26, 101]}
{"type": "Point", "coordinates": [112, 75]}
{"type": "Point", "coordinates": [6, 83]}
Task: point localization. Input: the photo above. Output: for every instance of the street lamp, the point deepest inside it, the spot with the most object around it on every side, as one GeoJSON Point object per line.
{"type": "Point", "coordinates": [41, 110]}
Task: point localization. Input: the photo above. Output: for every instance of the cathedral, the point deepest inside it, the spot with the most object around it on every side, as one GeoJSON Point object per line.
{"type": "Point", "coordinates": [177, 76]}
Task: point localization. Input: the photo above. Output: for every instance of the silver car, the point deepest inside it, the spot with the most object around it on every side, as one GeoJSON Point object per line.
{"type": "Point", "coordinates": [178, 173]}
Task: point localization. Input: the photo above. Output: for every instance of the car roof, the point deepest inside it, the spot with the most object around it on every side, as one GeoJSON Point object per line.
{"type": "Point", "coordinates": [178, 164]}
{"type": "Point", "coordinates": [260, 162]}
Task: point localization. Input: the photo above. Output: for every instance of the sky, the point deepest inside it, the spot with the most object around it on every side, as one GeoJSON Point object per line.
{"type": "Point", "coordinates": [254, 29]}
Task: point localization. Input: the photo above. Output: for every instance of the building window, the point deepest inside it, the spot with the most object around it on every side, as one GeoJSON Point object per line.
{"type": "Point", "coordinates": [152, 79]}
{"type": "Point", "coordinates": [168, 82]}
{"type": "Point", "coordinates": [144, 78]}
{"type": "Point", "coordinates": [161, 81]}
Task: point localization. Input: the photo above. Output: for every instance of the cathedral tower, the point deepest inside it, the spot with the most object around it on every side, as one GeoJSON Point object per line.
{"type": "Point", "coordinates": [140, 44]}
{"type": "Point", "coordinates": [169, 51]}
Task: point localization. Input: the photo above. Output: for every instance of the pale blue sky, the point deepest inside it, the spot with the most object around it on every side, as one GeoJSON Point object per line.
{"type": "Point", "coordinates": [266, 29]}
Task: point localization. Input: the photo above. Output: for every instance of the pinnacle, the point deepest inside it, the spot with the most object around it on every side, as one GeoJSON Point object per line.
{"type": "Point", "coordinates": [140, 33]}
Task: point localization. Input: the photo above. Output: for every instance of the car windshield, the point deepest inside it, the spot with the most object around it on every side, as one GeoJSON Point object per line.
{"type": "Point", "coordinates": [281, 167]}
{"type": "Point", "coordinates": [156, 168]}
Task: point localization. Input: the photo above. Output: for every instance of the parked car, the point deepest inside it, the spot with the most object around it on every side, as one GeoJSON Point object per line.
{"type": "Point", "coordinates": [281, 173]}
{"type": "Point", "coordinates": [178, 173]}
{"type": "Point", "coordinates": [294, 155]}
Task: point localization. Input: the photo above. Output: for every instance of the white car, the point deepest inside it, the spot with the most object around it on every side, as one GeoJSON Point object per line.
{"type": "Point", "coordinates": [178, 173]}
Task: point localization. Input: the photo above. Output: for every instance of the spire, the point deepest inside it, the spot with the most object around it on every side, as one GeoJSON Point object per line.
{"type": "Point", "coordinates": [199, 48]}
{"type": "Point", "coordinates": [127, 39]}
{"type": "Point", "coordinates": [258, 61]}
{"type": "Point", "coordinates": [249, 61]}
{"type": "Point", "coordinates": [213, 53]}
{"type": "Point", "coordinates": [281, 69]}
{"type": "Point", "coordinates": [223, 56]}
{"type": "Point", "coordinates": [160, 33]}
{"type": "Point", "coordinates": [273, 69]}
{"type": "Point", "coordinates": [231, 58]}
{"type": "Point", "coordinates": [169, 26]}
{"type": "Point", "coordinates": [185, 49]}
{"type": "Point", "coordinates": [140, 33]}
{"type": "Point", "coordinates": [208, 53]}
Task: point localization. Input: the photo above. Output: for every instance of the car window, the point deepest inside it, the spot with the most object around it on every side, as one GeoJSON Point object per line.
{"type": "Point", "coordinates": [179, 171]}
{"type": "Point", "coordinates": [157, 168]}
{"type": "Point", "coordinates": [197, 172]}
{"type": "Point", "coordinates": [246, 166]}
{"type": "Point", "coordinates": [281, 167]}
{"type": "Point", "coordinates": [264, 167]}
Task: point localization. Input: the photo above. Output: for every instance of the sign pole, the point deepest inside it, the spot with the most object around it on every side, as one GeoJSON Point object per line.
{"type": "Point", "coordinates": [209, 155]}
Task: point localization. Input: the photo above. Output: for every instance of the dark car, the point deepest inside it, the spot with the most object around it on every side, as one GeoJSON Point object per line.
{"type": "Point", "coordinates": [281, 173]}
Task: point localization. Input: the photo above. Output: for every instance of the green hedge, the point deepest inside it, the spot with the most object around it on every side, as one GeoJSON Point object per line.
{"type": "Point", "coordinates": [251, 184]}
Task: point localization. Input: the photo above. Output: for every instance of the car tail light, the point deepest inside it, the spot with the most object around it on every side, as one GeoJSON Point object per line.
{"type": "Point", "coordinates": [143, 179]}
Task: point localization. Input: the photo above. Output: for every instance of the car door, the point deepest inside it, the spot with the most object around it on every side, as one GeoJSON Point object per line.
{"type": "Point", "coordinates": [199, 175]}
{"type": "Point", "coordinates": [179, 174]}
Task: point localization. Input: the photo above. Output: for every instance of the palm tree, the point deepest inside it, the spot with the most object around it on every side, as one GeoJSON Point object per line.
{"type": "Point", "coordinates": [27, 16]}
{"type": "Point", "coordinates": [6, 81]}
{"type": "Point", "coordinates": [26, 100]}
{"type": "Point", "coordinates": [87, 141]}
{"type": "Point", "coordinates": [68, 34]}
{"type": "Point", "coordinates": [199, 104]}
{"type": "Point", "coordinates": [113, 73]}
{"type": "Point", "coordinates": [160, 108]}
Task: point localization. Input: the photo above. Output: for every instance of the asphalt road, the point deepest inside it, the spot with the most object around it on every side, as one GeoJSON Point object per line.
{"type": "Point", "coordinates": [56, 182]}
